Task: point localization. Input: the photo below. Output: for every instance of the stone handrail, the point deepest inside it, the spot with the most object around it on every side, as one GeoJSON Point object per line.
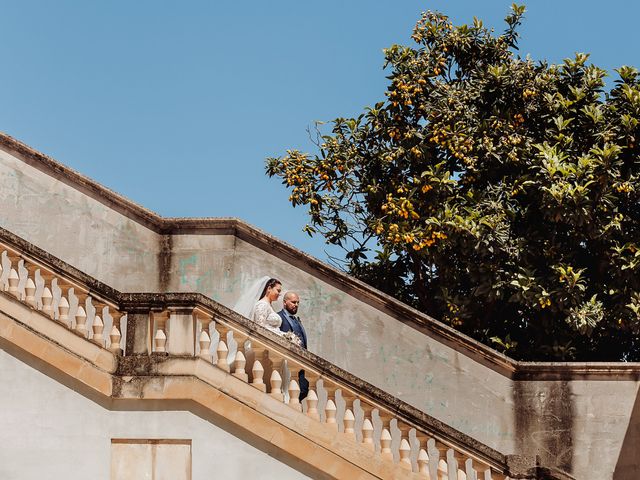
{"type": "Point", "coordinates": [190, 324]}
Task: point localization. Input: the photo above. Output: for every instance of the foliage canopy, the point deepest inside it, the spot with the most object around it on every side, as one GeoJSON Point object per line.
{"type": "Point", "coordinates": [497, 194]}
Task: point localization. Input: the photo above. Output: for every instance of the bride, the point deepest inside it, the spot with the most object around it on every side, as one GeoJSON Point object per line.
{"type": "Point", "coordinates": [263, 313]}
{"type": "Point", "coordinates": [266, 291]}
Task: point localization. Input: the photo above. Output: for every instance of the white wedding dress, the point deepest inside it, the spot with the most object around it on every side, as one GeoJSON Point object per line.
{"type": "Point", "coordinates": [263, 314]}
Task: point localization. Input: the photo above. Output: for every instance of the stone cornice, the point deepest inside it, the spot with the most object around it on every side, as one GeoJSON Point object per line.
{"type": "Point", "coordinates": [231, 226]}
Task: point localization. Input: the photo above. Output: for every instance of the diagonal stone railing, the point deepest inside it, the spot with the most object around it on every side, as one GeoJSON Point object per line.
{"type": "Point", "coordinates": [134, 326]}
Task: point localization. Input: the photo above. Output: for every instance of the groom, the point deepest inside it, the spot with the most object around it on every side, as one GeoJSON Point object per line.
{"type": "Point", "coordinates": [291, 323]}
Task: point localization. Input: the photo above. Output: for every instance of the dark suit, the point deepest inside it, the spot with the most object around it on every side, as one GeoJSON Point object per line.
{"type": "Point", "coordinates": [294, 325]}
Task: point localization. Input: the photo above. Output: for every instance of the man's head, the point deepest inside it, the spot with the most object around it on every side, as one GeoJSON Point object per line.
{"type": "Point", "coordinates": [291, 302]}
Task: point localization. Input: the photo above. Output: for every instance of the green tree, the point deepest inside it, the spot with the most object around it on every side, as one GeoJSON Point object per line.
{"type": "Point", "coordinates": [492, 192]}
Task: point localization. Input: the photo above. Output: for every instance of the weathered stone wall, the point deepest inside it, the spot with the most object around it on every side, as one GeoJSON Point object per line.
{"type": "Point", "coordinates": [49, 431]}
{"type": "Point", "coordinates": [76, 228]}
{"type": "Point", "coordinates": [568, 420]}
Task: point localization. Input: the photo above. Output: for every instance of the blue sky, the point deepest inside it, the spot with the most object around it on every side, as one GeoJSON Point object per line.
{"type": "Point", "coordinates": [176, 105]}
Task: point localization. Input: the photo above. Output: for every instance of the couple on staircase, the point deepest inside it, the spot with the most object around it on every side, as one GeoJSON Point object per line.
{"type": "Point", "coordinates": [284, 323]}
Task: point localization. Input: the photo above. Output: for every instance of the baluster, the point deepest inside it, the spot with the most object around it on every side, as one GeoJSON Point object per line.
{"type": "Point", "coordinates": [47, 300]}
{"type": "Point", "coordinates": [312, 377]}
{"type": "Point", "coordinates": [63, 304]}
{"type": "Point", "coordinates": [257, 372]}
{"type": "Point", "coordinates": [115, 336]}
{"type": "Point", "coordinates": [160, 338]}
{"type": "Point", "coordinates": [81, 314]}
{"type": "Point", "coordinates": [276, 386]}
{"type": "Point", "coordinates": [330, 414]}
{"type": "Point", "coordinates": [2, 284]}
{"type": "Point", "coordinates": [385, 419]}
{"type": "Point", "coordinates": [405, 454]}
{"type": "Point", "coordinates": [275, 382]}
{"type": "Point", "coordinates": [349, 421]}
{"type": "Point", "coordinates": [32, 272]}
{"type": "Point", "coordinates": [30, 284]}
{"type": "Point", "coordinates": [312, 404]}
{"type": "Point", "coordinates": [367, 434]}
{"type": "Point", "coordinates": [222, 351]}
{"type": "Point", "coordinates": [30, 292]}
{"type": "Point", "coordinates": [240, 366]}
{"type": "Point", "coordinates": [97, 326]}
{"type": "Point", "coordinates": [294, 394]}
{"type": "Point", "coordinates": [160, 341]}
{"type": "Point", "coordinates": [205, 345]}
{"type": "Point", "coordinates": [423, 464]}
{"type": "Point", "coordinates": [98, 330]}
{"type": "Point", "coordinates": [405, 446]}
{"type": "Point", "coordinates": [423, 447]}
{"type": "Point", "coordinates": [239, 360]}
{"type": "Point", "coordinates": [330, 407]}
{"type": "Point", "coordinates": [443, 469]}
{"type": "Point", "coordinates": [63, 312]}
{"type": "Point", "coordinates": [13, 281]}
{"type": "Point", "coordinates": [204, 340]}
{"type": "Point", "coordinates": [367, 425]}
{"type": "Point", "coordinates": [385, 445]}
{"type": "Point", "coordinates": [47, 293]}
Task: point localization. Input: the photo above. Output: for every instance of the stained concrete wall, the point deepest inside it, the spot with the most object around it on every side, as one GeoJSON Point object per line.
{"type": "Point", "coordinates": [49, 431]}
{"type": "Point", "coordinates": [566, 422]}
{"type": "Point", "coordinates": [76, 228]}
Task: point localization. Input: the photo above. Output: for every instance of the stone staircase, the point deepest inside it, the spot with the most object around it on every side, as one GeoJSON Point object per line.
{"type": "Point", "coordinates": [159, 348]}
{"type": "Point", "coordinates": [579, 417]}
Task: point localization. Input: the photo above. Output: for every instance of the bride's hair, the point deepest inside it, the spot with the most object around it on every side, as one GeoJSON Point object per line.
{"type": "Point", "coordinates": [272, 282]}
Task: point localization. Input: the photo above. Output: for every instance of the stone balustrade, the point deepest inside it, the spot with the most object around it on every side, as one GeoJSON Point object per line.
{"type": "Point", "coordinates": [61, 297]}
{"type": "Point", "coordinates": [343, 404]}
{"type": "Point", "coordinates": [189, 324]}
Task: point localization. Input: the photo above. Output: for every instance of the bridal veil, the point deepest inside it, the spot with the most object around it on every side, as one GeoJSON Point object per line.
{"type": "Point", "coordinates": [247, 300]}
